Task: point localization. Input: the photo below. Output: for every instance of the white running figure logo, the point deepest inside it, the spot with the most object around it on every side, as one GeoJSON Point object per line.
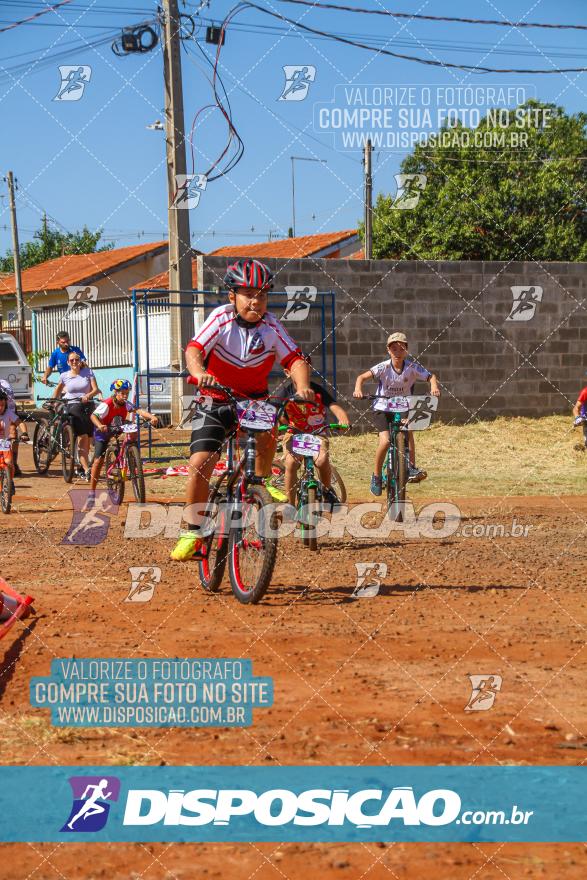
{"type": "Point", "coordinates": [91, 519]}
{"type": "Point", "coordinates": [90, 807]}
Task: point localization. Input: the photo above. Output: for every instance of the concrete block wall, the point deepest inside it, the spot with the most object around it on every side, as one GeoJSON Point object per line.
{"type": "Point", "coordinates": [454, 314]}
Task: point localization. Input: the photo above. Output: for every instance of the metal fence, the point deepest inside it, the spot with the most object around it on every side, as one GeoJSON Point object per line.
{"type": "Point", "coordinates": [105, 334]}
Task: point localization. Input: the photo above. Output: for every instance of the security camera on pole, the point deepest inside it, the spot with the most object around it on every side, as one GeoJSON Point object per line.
{"type": "Point", "coordinates": [180, 253]}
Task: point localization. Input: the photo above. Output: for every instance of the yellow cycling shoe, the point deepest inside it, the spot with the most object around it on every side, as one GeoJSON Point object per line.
{"type": "Point", "coordinates": [188, 546]}
{"type": "Point", "coordinates": [275, 493]}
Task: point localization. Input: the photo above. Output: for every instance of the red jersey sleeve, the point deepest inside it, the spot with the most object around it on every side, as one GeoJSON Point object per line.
{"type": "Point", "coordinates": [583, 396]}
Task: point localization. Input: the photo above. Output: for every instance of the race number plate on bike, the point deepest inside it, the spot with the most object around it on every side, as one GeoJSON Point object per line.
{"type": "Point", "coordinates": [306, 444]}
{"type": "Point", "coordinates": [129, 429]}
{"type": "Point", "coordinates": [393, 404]}
{"type": "Point", "coordinates": [256, 415]}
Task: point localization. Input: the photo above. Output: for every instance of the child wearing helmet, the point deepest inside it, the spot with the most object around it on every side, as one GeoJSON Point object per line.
{"type": "Point", "coordinates": [114, 407]}
{"type": "Point", "coordinates": [8, 423]}
{"type": "Point", "coordinates": [236, 346]}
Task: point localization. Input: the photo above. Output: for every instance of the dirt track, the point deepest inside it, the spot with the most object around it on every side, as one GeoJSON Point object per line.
{"type": "Point", "coordinates": [369, 681]}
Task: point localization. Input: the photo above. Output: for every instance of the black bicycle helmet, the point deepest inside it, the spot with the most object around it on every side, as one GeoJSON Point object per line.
{"type": "Point", "coordinates": [248, 273]}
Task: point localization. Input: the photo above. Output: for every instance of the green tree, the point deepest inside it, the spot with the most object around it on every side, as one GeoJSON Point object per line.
{"type": "Point", "coordinates": [497, 202]}
{"type": "Point", "coordinates": [49, 243]}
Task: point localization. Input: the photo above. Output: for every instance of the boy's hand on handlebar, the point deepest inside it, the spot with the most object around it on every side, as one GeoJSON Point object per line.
{"type": "Point", "coordinates": [102, 427]}
{"type": "Point", "coordinates": [154, 420]}
{"type": "Point", "coordinates": [578, 421]}
{"type": "Point", "coordinates": [205, 380]}
{"type": "Point", "coordinates": [306, 394]}
{"type": "Point", "coordinates": [358, 393]}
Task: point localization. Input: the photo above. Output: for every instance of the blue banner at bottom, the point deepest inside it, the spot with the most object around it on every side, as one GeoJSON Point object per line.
{"type": "Point", "coordinates": [312, 804]}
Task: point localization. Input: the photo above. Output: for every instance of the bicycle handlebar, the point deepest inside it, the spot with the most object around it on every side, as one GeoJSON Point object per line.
{"type": "Point", "coordinates": [332, 426]}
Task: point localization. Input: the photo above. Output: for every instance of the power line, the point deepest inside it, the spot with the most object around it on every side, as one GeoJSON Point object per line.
{"type": "Point", "coordinates": [382, 51]}
{"type": "Point", "coordinates": [36, 15]}
{"type": "Point", "coordinates": [389, 14]}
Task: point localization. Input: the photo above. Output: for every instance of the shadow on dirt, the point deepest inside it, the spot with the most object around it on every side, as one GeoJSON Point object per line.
{"type": "Point", "coordinates": [343, 594]}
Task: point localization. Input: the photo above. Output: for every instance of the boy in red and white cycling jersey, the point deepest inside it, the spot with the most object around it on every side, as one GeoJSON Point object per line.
{"type": "Point", "coordinates": [236, 347]}
{"type": "Point", "coordinates": [580, 413]}
{"type": "Point", "coordinates": [308, 418]}
{"type": "Point", "coordinates": [114, 407]}
{"type": "Point", "coordinates": [11, 406]}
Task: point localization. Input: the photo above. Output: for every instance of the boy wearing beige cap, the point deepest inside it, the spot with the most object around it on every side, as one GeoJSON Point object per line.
{"type": "Point", "coordinates": [396, 377]}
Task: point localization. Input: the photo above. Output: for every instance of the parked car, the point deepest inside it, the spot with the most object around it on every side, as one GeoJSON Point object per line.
{"type": "Point", "coordinates": [160, 393]}
{"type": "Point", "coordinates": [14, 367]}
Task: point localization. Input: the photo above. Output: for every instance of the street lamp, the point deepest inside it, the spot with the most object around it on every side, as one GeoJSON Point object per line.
{"type": "Point", "coordinates": [293, 186]}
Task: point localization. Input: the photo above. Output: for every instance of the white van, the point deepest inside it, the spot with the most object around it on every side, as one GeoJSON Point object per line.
{"type": "Point", "coordinates": [14, 367]}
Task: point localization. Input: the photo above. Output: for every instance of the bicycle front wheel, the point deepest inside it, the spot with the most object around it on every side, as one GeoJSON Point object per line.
{"type": "Point", "coordinates": [68, 443]}
{"type": "Point", "coordinates": [215, 547]}
{"type": "Point", "coordinates": [397, 474]}
{"type": "Point", "coordinates": [42, 446]}
{"type": "Point", "coordinates": [114, 478]}
{"type": "Point", "coordinates": [252, 548]}
{"type": "Point", "coordinates": [310, 516]}
{"type": "Point", "coordinates": [6, 489]}
{"type": "Point", "coordinates": [135, 472]}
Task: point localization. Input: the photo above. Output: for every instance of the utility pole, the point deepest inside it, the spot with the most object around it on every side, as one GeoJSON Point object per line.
{"type": "Point", "coordinates": [180, 252]}
{"type": "Point", "coordinates": [17, 274]}
{"type": "Point", "coordinates": [368, 202]}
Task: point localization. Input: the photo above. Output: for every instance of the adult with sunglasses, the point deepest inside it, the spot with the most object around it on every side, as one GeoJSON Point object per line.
{"type": "Point", "coordinates": [79, 387]}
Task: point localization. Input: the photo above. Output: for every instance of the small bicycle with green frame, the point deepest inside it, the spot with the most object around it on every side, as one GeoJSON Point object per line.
{"type": "Point", "coordinates": [394, 476]}
{"type": "Point", "coordinates": [309, 494]}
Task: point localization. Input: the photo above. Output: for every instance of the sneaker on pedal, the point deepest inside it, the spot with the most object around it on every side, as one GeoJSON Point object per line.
{"type": "Point", "coordinates": [188, 546]}
{"type": "Point", "coordinates": [415, 475]}
{"type": "Point", "coordinates": [376, 485]}
{"type": "Point", "coordinates": [275, 493]}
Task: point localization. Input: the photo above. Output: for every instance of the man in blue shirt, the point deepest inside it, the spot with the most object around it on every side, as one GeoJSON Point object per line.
{"type": "Point", "coordinates": [59, 355]}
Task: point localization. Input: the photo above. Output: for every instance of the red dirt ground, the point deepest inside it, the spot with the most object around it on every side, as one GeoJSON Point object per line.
{"type": "Point", "coordinates": [369, 681]}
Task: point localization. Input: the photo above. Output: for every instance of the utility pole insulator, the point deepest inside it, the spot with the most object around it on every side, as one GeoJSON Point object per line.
{"type": "Point", "coordinates": [214, 34]}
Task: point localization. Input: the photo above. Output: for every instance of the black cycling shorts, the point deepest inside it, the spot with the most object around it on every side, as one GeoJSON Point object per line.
{"type": "Point", "coordinates": [211, 427]}
{"type": "Point", "coordinates": [80, 418]}
{"type": "Point", "coordinates": [381, 420]}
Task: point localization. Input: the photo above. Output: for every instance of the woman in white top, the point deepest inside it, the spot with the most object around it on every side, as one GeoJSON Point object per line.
{"type": "Point", "coordinates": [80, 387]}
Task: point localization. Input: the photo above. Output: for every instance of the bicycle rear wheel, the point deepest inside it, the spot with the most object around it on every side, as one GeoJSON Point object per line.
{"type": "Point", "coordinates": [396, 477]}
{"type": "Point", "coordinates": [68, 444]}
{"type": "Point", "coordinates": [252, 550]}
{"type": "Point", "coordinates": [212, 565]}
{"type": "Point", "coordinates": [6, 489]}
{"type": "Point", "coordinates": [114, 479]}
{"type": "Point", "coordinates": [337, 485]}
{"type": "Point", "coordinates": [135, 472]}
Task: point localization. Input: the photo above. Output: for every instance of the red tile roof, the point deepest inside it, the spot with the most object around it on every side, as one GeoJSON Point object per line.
{"type": "Point", "coordinates": [282, 248]}
{"type": "Point", "coordinates": [356, 255]}
{"type": "Point", "coordinates": [59, 273]}
{"type": "Point", "coordinates": [286, 248]}
{"type": "Point", "coordinates": [161, 281]}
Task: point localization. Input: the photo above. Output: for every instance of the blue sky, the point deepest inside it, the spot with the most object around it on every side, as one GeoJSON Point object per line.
{"type": "Point", "coordinates": [93, 161]}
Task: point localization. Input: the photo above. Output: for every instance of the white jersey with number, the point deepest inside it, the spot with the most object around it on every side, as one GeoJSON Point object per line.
{"type": "Point", "coordinates": [393, 384]}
